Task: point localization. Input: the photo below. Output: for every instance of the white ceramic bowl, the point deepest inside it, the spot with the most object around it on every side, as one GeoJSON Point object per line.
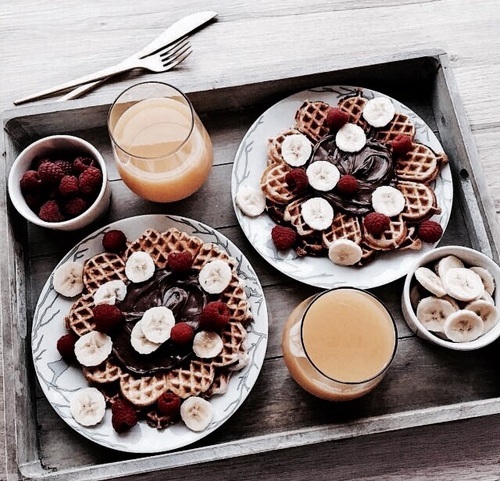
{"type": "Point", "coordinates": [469, 257]}
{"type": "Point", "coordinates": [44, 147]}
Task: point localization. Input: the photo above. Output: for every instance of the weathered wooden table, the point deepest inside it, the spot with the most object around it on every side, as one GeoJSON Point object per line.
{"type": "Point", "coordinates": [397, 432]}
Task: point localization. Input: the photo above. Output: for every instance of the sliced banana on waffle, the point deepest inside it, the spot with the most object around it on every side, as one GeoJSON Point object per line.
{"type": "Point", "coordinates": [215, 276]}
{"type": "Point", "coordinates": [388, 200]}
{"type": "Point", "coordinates": [322, 175]}
{"type": "Point", "coordinates": [344, 252]}
{"type": "Point", "coordinates": [378, 112]}
{"type": "Point", "coordinates": [350, 138]}
{"type": "Point", "coordinates": [207, 344]}
{"type": "Point", "coordinates": [197, 413]}
{"type": "Point", "coordinates": [317, 213]}
{"type": "Point", "coordinates": [139, 267]}
{"type": "Point", "coordinates": [68, 279]}
{"type": "Point", "coordinates": [296, 149]}
{"type": "Point", "coordinates": [110, 292]}
{"type": "Point", "coordinates": [156, 324]}
{"type": "Point", "coordinates": [93, 348]}
{"type": "Point", "coordinates": [87, 406]}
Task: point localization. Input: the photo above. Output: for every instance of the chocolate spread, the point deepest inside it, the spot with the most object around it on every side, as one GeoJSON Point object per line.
{"type": "Point", "coordinates": [372, 166]}
{"type": "Point", "coordinates": [183, 295]}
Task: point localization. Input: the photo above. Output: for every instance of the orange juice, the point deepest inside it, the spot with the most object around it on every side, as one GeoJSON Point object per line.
{"type": "Point", "coordinates": [339, 344]}
{"type": "Point", "coordinates": [162, 149]}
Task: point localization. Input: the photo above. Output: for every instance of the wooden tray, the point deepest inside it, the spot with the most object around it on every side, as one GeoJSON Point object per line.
{"type": "Point", "coordinates": [425, 385]}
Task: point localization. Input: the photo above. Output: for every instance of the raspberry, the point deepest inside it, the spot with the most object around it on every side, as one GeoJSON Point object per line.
{"type": "Point", "coordinates": [50, 173]}
{"type": "Point", "coordinates": [68, 185]}
{"type": "Point", "coordinates": [401, 144]}
{"type": "Point", "coordinates": [107, 317]}
{"type": "Point", "coordinates": [75, 206]}
{"type": "Point", "coordinates": [283, 237]}
{"type": "Point", "coordinates": [297, 180]}
{"type": "Point", "coordinates": [66, 346]}
{"type": "Point", "coordinates": [215, 315]}
{"type": "Point", "coordinates": [34, 201]}
{"type": "Point", "coordinates": [169, 404]}
{"type": "Point", "coordinates": [49, 212]}
{"type": "Point", "coordinates": [336, 118]}
{"type": "Point", "coordinates": [182, 333]}
{"type": "Point", "coordinates": [348, 185]}
{"type": "Point", "coordinates": [430, 231]}
{"type": "Point", "coordinates": [83, 163]}
{"type": "Point", "coordinates": [30, 182]}
{"type": "Point", "coordinates": [123, 416]}
{"type": "Point", "coordinates": [66, 166]}
{"type": "Point", "coordinates": [180, 261]}
{"type": "Point", "coordinates": [114, 241]}
{"type": "Point", "coordinates": [90, 180]}
{"type": "Point", "coordinates": [376, 223]}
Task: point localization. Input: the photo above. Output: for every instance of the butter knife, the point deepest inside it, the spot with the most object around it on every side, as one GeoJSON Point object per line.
{"type": "Point", "coordinates": [178, 30]}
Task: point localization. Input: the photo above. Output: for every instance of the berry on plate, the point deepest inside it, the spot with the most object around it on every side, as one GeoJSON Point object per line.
{"type": "Point", "coordinates": [430, 231]}
{"type": "Point", "coordinates": [283, 237]}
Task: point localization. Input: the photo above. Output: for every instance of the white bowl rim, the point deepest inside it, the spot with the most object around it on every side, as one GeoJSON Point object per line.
{"type": "Point", "coordinates": [433, 255]}
{"type": "Point", "coordinates": [20, 204]}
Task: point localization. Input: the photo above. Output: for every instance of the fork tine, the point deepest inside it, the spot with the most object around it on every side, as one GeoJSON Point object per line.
{"type": "Point", "coordinates": [171, 48]}
{"type": "Point", "coordinates": [176, 51]}
{"type": "Point", "coordinates": [179, 59]}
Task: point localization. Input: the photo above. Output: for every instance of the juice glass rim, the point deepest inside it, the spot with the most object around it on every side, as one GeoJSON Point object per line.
{"type": "Point", "coordinates": [152, 82]}
{"type": "Point", "coordinates": [391, 317]}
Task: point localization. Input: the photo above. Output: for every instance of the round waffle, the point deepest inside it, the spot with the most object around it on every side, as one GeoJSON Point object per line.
{"type": "Point", "coordinates": [420, 164]}
{"type": "Point", "coordinates": [310, 119]}
{"type": "Point", "coordinates": [273, 184]}
{"type": "Point", "coordinates": [275, 143]}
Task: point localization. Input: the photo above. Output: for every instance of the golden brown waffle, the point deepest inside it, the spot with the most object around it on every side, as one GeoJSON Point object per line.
{"type": "Point", "coordinates": [102, 268]}
{"type": "Point", "coordinates": [104, 373]}
{"type": "Point", "coordinates": [367, 256]}
{"type": "Point", "coordinates": [235, 297]}
{"type": "Point", "coordinates": [293, 215]}
{"type": "Point", "coordinates": [412, 242]}
{"type": "Point", "coordinates": [143, 391]}
{"type": "Point", "coordinates": [233, 336]}
{"type": "Point", "coordinates": [311, 245]}
{"type": "Point", "coordinates": [344, 226]}
{"type": "Point", "coordinates": [275, 143]}
{"type": "Point", "coordinates": [275, 211]}
{"type": "Point", "coordinates": [158, 420]}
{"type": "Point", "coordinates": [209, 252]}
{"type": "Point", "coordinates": [354, 107]}
{"type": "Point", "coordinates": [274, 185]}
{"type": "Point", "coordinates": [219, 385]}
{"type": "Point", "coordinates": [390, 239]}
{"type": "Point", "coordinates": [80, 318]}
{"type": "Point", "coordinates": [400, 124]}
{"type": "Point", "coordinates": [178, 241]}
{"type": "Point", "coordinates": [310, 119]}
{"type": "Point", "coordinates": [420, 200]}
{"type": "Point", "coordinates": [192, 380]}
{"type": "Point", "coordinates": [152, 242]}
{"type": "Point", "coordinates": [420, 164]}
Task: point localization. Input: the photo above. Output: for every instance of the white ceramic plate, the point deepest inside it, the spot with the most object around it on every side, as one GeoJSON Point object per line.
{"type": "Point", "coordinates": [59, 381]}
{"type": "Point", "coordinates": [250, 162]}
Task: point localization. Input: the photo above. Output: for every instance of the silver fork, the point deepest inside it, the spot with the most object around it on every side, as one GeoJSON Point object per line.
{"type": "Point", "coordinates": [162, 61]}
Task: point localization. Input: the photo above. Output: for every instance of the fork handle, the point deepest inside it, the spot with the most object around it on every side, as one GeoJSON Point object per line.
{"type": "Point", "coordinates": [82, 89]}
{"type": "Point", "coordinates": [106, 72]}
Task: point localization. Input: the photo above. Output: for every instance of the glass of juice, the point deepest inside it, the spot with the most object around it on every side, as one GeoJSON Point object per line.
{"type": "Point", "coordinates": [162, 150]}
{"type": "Point", "coordinates": [339, 344]}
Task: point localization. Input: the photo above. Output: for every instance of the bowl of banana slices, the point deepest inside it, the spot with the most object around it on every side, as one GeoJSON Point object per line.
{"type": "Point", "coordinates": [450, 298]}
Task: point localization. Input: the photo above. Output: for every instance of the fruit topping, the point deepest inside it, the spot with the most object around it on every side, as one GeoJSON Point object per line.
{"type": "Point", "coordinates": [87, 406]}
{"type": "Point", "coordinates": [139, 267]}
{"type": "Point", "coordinates": [297, 180]}
{"type": "Point", "coordinates": [123, 416]}
{"type": "Point", "coordinates": [50, 212]}
{"type": "Point", "coordinates": [376, 223]}
{"type": "Point", "coordinates": [322, 175]}
{"type": "Point", "coordinates": [401, 144]}
{"type": "Point", "coordinates": [207, 344]}
{"type": "Point", "coordinates": [283, 237]}
{"type": "Point", "coordinates": [215, 315]}
{"type": "Point", "coordinates": [50, 173]}
{"type": "Point", "coordinates": [197, 413]}
{"type": "Point", "coordinates": [251, 201]}
{"type": "Point", "coordinates": [388, 200]}
{"type": "Point", "coordinates": [317, 213]}
{"type": "Point", "coordinates": [169, 404]}
{"type": "Point", "coordinates": [90, 180]}
{"type": "Point", "coordinates": [107, 317]}
{"type": "Point", "coordinates": [348, 185]}
{"type": "Point", "coordinates": [215, 276]}
{"type": "Point", "coordinates": [344, 252]}
{"type": "Point", "coordinates": [350, 138]}
{"type": "Point", "coordinates": [430, 231]}
{"type": "Point", "coordinates": [93, 348]}
{"type": "Point", "coordinates": [180, 262]}
{"type": "Point", "coordinates": [296, 149]}
{"type": "Point", "coordinates": [114, 241]}
{"type": "Point", "coordinates": [68, 185]}
{"type": "Point", "coordinates": [68, 279]}
{"type": "Point", "coordinates": [31, 182]}
{"type": "Point", "coordinates": [182, 333]}
{"type": "Point", "coordinates": [336, 118]}
{"type": "Point", "coordinates": [83, 163]}
{"type": "Point", "coordinates": [66, 346]}
{"type": "Point", "coordinates": [379, 111]}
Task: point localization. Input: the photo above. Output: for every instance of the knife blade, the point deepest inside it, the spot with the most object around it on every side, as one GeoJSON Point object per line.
{"type": "Point", "coordinates": [179, 29]}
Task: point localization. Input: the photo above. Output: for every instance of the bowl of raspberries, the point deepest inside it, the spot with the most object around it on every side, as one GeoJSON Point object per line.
{"type": "Point", "coordinates": [60, 182]}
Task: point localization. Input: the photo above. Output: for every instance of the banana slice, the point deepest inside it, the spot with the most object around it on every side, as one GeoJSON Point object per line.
{"type": "Point", "coordinates": [207, 344]}
{"type": "Point", "coordinates": [93, 348]}
{"type": "Point", "coordinates": [197, 413]}
{"type": "Point", "coordinates": [68, 279]}
{"type": "Point", "coordinates": [251, 201]}
{"type": "Point", "coordinates": [317, 213]}
{"type": "Point", "coordinates": [322, 175]}
{"type": "Point", "coordinates": [486, 297]}
{"type": "Point", "coordinates": [156, 323]}
{"type": "Point", "coordinates": [430, 281]}
{"type": "Point", "coordinates": [215, 276]}
{"type": "Point", "coordinates": [388, 200]}
{"type": "Point", "coordinates": [350, 138]}
{"type": "Point", "coordinates": [110, 292]}
{"type": "Point", "coordinates": [463, 326]}
{"type": "Point", "coordinates": [378, 112]}
{"type": "Point", "coordinates": [140, 342]}
{"type": "Point", "coordinates": [463, 284]}
{"type": "Point", "coordinates": [486, 277]}
{"type": "Point", "coordinates": [486, 311]}
{"type": "Point", "coordinates": [446, 263]}
{"type": "Point", "coordinates": [296, 149]}
{"type": "Point", "coordinates": [344, 252]}
{"type": "Point", "coordinates": [87, 406]}
{"type": "Point", "coordinates": [432, 312]}
{"type": "Point", "coordinates": [139, 267]}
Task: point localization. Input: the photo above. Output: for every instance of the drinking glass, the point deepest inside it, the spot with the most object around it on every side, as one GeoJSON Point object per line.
{"type": "Point", "coordinates": [339, 344]}
{"type": "Point", "coordinates": [162, 150]}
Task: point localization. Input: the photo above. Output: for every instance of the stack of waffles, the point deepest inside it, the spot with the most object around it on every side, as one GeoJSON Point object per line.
{"type": "Point", "coordinates": [413, 174]}
{"type": "Point", "coordinates": [194, 376]}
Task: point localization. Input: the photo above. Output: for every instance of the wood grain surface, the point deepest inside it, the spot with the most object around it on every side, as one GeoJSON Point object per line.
{"type": "Point", "coordinates": [45, 43]}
